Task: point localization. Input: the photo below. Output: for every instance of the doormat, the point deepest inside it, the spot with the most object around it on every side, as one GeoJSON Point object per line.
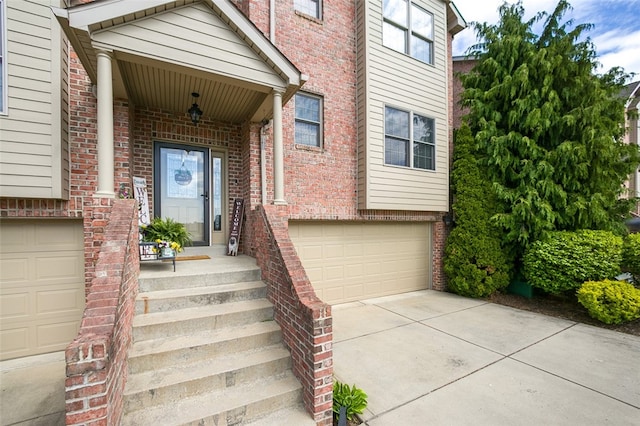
{"type": "Point", "coordinates": [196, 257]}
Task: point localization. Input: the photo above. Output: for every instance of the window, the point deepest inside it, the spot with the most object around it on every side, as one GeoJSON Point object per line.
{"type": "Point", "coordinates": [308, 120]}
{"type": "Point", "coordinates": [309, 7]}
{"type": "Point", "coordinates": [408, 28]}
{"type": "Point", "coordinates": [3, 59]}
{"type": "Point", "coordinates": [409, 139]}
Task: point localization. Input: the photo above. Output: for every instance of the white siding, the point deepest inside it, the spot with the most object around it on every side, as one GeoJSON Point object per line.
{"type": "Point", "coordinates": [398, 80]}
{"type": "Point", "coordinates": [34, 152]}
{"type": "Point", "coordinates": [193, 37]}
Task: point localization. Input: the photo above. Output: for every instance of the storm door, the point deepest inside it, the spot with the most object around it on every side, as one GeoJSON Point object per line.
{"type": "Point", "coordinates": [181, 188]}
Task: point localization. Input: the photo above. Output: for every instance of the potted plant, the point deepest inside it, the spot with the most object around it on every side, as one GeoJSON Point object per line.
{"type": "Point", "coordinates": [170, 236]}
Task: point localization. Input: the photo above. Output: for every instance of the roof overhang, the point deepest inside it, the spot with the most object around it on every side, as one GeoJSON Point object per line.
{"type": "Point", "coordinates": [455, 21]}
{"type": "Point", "coordinates": [146, 75]}
{"type": "Point", "coordinates": [634, 96]}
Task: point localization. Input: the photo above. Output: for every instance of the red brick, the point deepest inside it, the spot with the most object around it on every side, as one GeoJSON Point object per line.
{"type": "Point", "coordinates": [83, 417]}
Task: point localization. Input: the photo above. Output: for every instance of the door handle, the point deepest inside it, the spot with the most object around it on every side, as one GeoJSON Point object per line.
{"type": "Point", "coordinates": [205, 195]}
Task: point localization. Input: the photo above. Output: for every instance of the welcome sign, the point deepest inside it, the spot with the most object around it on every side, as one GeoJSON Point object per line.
{"type": "Point", "coordinates": [236, 226]}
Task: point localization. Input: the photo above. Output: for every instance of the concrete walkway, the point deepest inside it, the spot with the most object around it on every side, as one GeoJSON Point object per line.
{"type": "Point", "coordinates": [432, 358]}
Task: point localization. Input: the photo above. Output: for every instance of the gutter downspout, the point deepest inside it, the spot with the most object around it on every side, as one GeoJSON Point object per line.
{"type": "Point", "coordinates": [263, 164]}
{"type": "Point", "coordinates": [272, 21]}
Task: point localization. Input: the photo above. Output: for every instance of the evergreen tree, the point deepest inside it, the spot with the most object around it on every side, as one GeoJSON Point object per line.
{"type": "Point", "coordinates": [474, 261]}
{"type": "Point", "coordinates": [549, 130]}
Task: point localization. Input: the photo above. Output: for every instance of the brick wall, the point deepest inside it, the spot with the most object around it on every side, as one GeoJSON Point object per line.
{"type": "Point", "coordinates": [462, 66]}
{"type": "Point", "coordinates": [320, 178]}
{"type": "Point", "coordinates": [97, 358]}
{"type": "Point", "coordinates": [305, 320]}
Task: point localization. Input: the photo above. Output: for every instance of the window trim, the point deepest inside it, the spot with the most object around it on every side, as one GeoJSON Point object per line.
{"type": "Point", "coordinates": [410, 33]}
{"type": "Point", "coordinates": [4, 109]}
{"type": "Point", "coordinates": [319, 123]}
{"type": "Point", "coordinates": [302, 12]}
{"type": "Point", "coordinates": [411, 140]}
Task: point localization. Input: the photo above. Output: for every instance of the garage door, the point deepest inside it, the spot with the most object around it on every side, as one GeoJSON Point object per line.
{"type": "Point", "coordinates": [41, 285]}
{"type": "Point", "coordinates": [348, 261]}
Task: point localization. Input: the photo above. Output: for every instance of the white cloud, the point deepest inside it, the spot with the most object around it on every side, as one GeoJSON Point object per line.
{"type": "Point", "coordinates": [616, 32]}
{"type": "Point", "coordinates": [617, 48]}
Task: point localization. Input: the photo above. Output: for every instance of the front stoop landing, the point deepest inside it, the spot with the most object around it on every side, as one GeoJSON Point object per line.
{"type": "Point", "coordinates": [207, 351]}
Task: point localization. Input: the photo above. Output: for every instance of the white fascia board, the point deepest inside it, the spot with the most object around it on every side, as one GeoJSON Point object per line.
{"type": "Point", "coordinates": [632, 95]}
{"type": "Point", "coordinates": [261, 42]}
{"type": "Point", "coordinates": [459, 23]}
{"type": "Point", "coordinates": [81, 17]}
{"type": "Point", "coordinates": [62, 16]}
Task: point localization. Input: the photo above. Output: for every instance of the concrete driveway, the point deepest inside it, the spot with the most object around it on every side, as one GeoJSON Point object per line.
{"type": "Point", "coordinates": [433, 358]}
{"type": "Point", "coordinates": [32, 391]}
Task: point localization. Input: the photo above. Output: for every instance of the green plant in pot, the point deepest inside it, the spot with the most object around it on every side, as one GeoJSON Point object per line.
{"type": "Point", "coordinates": [167, 233]}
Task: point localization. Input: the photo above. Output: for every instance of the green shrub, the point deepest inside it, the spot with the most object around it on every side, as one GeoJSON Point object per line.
{"type": "Point", "coordinates": [631, 256]}
{"type": "Point", "coordinates": [352, 398]}
{"type": "Point", "coordinates": [612, 302]}
{"type": "Point", "coordinates": [565, 260]}
{"type": "Point", "coordinates": [475, 263]}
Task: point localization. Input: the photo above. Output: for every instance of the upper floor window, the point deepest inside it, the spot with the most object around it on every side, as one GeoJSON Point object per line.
{"type": "Point", "coordinates": [3, 58]}
{"type": "Point", "coordinates": [309, 7]}
{"type": "Point", "coordinates": [409, 139]}
{"type": "Point", "coordinates": [408, 28]}
{"type": "Point", "coordinates": [308, 119]}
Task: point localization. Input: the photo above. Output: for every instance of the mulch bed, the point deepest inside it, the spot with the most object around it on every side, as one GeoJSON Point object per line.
{"type": "Point", "coordinates": [566, 307]}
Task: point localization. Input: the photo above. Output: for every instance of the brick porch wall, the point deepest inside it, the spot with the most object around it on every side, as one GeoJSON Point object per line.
{"type": "Point", "coordinates": [97, 358]}
{"type": "Point", "coordinates": [305, 320]}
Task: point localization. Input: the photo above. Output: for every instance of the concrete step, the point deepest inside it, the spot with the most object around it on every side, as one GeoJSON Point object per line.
{"type": "Point", "coordinates": [230, 406]}
{"type": "Point", "coordinates": [163, 386]}
{"type": "Point", "coordinates": [164, 352]}
{"type": "Point", "coordinates": [199, 280]}
{"type": "Point", "coordinates": [165, 300]}
{"type": "Point", "coordinates": [295, 415]}
{"type": "Point", "coordinates": [210, 317]}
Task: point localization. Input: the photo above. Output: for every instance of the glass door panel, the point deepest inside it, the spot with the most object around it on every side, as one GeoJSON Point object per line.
{"type": "Point", "coordinates": [181, 188]}
{"type": "Point", "coordinates": [218, 199]}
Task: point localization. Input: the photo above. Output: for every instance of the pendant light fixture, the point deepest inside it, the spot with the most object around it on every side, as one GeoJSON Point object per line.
{"type": "Point", "coordinates": [195, 112]}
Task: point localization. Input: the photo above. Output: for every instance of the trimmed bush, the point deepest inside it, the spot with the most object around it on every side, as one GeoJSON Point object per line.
{"type": "Point", "coordinates": [566, 259]}
{"type": "Point", "coordinates": [631, 256]}
{"type": "Point", "coordinates": [612, 302]}
{"type": "Point", "coordinates": [475, 263]}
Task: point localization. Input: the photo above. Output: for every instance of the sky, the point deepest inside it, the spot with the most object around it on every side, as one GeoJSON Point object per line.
{"type": "Point", "coordinates": [616, 31]}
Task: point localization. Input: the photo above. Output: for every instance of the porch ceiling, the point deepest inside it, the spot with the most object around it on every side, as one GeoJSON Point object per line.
{"type": "Point", "coordinates": [170, 88]}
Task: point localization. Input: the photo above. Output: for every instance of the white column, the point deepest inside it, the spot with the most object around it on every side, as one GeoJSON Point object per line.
{"type": "Point", "coordinates": [106, 180]}
{"type": "Point", "coordinates": [278, 151]}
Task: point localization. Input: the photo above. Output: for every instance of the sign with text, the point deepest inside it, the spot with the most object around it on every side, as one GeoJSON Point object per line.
{"type": "Point", "coordinates": [140, 194]}
{"type": "Point", "coordinates": [236, 226]}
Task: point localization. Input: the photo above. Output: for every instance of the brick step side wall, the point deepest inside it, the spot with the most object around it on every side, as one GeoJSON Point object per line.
{"type": "Point", "coordinates": [97, 358]}
{"type": "Point", "coordinates": [305, 320]}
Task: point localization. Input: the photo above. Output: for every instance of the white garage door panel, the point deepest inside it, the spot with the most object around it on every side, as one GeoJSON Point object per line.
{"type": "Point", "coordinates": [348, 261]}
{"type": "Point", "coordinates": [42, 293]}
